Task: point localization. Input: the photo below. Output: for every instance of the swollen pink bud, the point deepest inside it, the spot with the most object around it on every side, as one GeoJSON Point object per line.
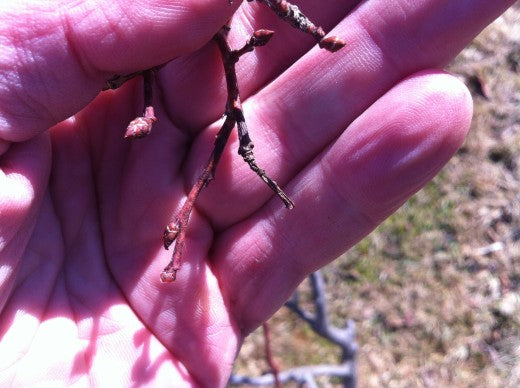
{"type": "Point", "coordinates": [141, 126]}
{"type": "Point", "coordinates": [332, 43]}
{"type": "Point", "coordinates": [138, 128]}
{"type": "Point", "coordinates": [261, 37]}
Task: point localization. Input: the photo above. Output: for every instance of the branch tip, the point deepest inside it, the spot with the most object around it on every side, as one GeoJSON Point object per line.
{"type": "Point", "coordinates": [141, 126]}
{"type": "Point", "coordinates": [262, 37]}
{"type": "Point", "coordinates": [168, 277]}
{"type": "Point", "coordinates": [332, 43]}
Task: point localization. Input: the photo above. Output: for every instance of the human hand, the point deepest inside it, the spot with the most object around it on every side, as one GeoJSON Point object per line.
{"type": "Point", "coordinates": [350, 136]}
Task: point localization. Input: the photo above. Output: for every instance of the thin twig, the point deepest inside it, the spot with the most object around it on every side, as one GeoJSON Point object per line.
{"type": "Point", "coordinates": [142, 126]}
{"type": "Point", "coordinates": [176, 229]}
{"type": "Point", "coordinates": [292, 14]}
{"type": "Point", "coordinates": [117, 80]}
{"type": "Point", "coordinates": [303, 375]}
{"type": "Point", "coordinates": [269, 355]}
{"type": "Point", "coordinates": [234, 109]}
{"type": "Point", "coordinates": [320, 324]}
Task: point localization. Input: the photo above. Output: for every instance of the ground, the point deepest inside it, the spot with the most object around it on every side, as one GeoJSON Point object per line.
{"type": "Point", "coordinates": [435, 290]}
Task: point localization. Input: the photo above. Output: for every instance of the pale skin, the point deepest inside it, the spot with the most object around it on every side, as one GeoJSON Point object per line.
{"type": "Point", "coordinates": [350, 136]}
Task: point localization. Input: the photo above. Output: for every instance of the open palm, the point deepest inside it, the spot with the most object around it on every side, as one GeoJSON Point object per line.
{"type": "Point", "coordinates": [350, 136]}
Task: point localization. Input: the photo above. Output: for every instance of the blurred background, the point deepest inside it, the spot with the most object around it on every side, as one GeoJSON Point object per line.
{"type": "Point", "coordinates": [435, 290]}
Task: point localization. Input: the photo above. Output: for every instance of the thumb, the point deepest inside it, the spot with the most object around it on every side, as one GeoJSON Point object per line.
{"type": "Point", "coordinates": [54, 59]}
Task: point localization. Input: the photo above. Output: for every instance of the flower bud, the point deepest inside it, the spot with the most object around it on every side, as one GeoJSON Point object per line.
{"type": "Point", "coordinates": [332, 43]}
{"type": "Point", "coordinates": [261, 37]}
{"type": "Point", "coordinates": [138, 128]}
{"type": "Point", "coordinates": [141, 126]}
